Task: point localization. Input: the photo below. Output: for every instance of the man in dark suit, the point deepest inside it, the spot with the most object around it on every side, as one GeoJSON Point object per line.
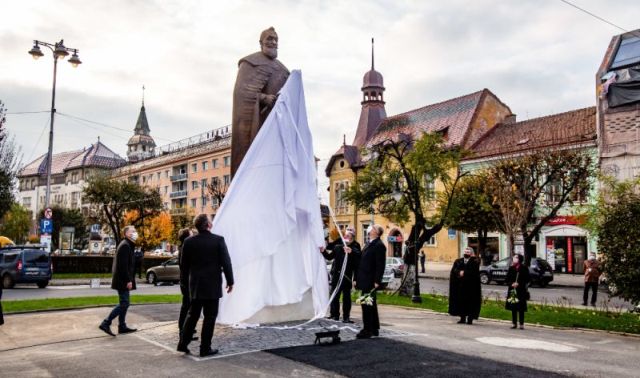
{"type": "Point", "coordinates": [203, 257]}
{"type": "Point", "coordinates": [465, 293]}
{"type": "Point", "coordinates": [369, 278]}
{"type": "Point", "coordinates": [123, 281]}
{"type": "Point", "coordinates": [352, 253]}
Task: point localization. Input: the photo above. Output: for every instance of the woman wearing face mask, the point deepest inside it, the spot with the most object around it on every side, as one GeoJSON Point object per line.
{"type": "Point", "coordinates": [517, 295]}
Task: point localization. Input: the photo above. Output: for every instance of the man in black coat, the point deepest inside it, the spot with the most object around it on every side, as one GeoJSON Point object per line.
{"type": "Point", "coordinates": [465, 293]}
{"type": "Point", "coordinates": [123, 281]}
{"type": "Point", "coordinates": [352, 252]}
{"type": "Point", "coordinates": [203, 257]}
{"type": "Point", "coordinates": [369, 278]}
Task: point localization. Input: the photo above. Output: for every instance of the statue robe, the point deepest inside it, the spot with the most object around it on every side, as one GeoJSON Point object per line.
{"type": "Point", "coordinates": [257, 74]}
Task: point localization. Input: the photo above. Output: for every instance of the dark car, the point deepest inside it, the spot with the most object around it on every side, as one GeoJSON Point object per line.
{"type": "Point", "coordinates": [540, 271]}
{"type": "Point", "coordinates": [168, 271]}
{"type": "Point", "coordinates": [25, 264]}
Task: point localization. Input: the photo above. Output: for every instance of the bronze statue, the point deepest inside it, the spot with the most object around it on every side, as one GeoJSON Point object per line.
{"type": "Point", "coordinates": [260, 78]}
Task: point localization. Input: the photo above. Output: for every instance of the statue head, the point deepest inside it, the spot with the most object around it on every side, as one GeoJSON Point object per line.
{"type": "Point", "coordinates": [269, 43]}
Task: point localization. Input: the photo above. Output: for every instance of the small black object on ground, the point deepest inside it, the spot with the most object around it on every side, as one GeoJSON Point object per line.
{"type": "Point", "coordinates": [333, 335]}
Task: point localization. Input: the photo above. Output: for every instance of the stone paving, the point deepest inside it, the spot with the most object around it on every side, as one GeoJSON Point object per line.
{"type": "Point", "coordinates": [240, 340]}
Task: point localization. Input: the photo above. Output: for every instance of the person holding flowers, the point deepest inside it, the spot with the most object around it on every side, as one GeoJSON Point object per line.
{"type": "Point", "coordinates": [517, 281]}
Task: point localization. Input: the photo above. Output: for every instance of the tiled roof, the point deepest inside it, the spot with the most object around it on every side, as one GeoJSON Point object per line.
{"type": "Point", "coordinates": [572, 127]}
{"type": "Point", "coordinates": [455, 114]}
{"type": "Point", "coordinates": [350, 153]}
{"type": "Point", "coordinates": [97, 155]}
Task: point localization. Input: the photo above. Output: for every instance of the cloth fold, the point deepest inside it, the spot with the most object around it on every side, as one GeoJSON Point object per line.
{"type": "Point", "coordinates": [271, 222]}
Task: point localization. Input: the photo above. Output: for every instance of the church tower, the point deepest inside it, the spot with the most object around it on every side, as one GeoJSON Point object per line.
{"type": "Point", "coordinates": [373, 111]}
{"type": "Point", "coordinates": [141, 145]}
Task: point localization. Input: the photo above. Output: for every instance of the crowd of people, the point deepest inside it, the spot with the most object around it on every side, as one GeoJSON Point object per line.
{"type": "Point", "coordinates": [203, 259]}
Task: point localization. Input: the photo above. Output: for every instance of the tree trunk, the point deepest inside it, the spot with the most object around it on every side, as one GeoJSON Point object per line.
{"type": "Point", "coordinates": [511, 244]}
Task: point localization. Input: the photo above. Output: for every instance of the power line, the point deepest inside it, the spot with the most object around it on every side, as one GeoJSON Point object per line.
{"type": "Point", "coordinates": [46, 123]}
{"type": "Point", "coordinates": [594, 15]}
{"type": "Point", "coordinates": [41, 111]}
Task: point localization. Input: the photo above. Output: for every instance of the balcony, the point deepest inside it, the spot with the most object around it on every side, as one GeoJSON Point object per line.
{"type": "Point", "coordinates": [180, 177]}
{"type": "Point", "coordinates": [178, 211]}
{"type": "Point", "coordinates": [178, 194]}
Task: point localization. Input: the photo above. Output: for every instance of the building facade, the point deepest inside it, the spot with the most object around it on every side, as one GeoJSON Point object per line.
{"type": "Point", "coordinates": [563, 241]}
{"type": "Point", "coordinates": [69, 173]}
{"type": "Point", "coordinates": [461, 121]}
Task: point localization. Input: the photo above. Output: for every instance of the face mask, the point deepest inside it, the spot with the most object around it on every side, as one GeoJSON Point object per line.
{"type": "Point", "coordinates": [466, 255]}
{"type": "Point", "coordinates": [134, 236]}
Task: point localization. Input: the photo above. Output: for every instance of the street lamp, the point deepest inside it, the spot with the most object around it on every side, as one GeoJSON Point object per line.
{"type": "Point", "coordinates": [60, 51]}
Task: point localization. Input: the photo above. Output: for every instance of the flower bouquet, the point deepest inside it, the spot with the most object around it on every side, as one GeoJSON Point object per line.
{"type": "Point", "coordinates": [513, 297]}
{"type": "Point", "coordinates": [365, 299]}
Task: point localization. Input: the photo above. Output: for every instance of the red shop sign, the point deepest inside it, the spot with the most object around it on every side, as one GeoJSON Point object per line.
{"type": "Point", "coordinates": [564, 219]}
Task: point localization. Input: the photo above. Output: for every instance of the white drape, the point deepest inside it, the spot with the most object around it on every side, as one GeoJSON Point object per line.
{"type": "Point", "coordinates": [270, 219]}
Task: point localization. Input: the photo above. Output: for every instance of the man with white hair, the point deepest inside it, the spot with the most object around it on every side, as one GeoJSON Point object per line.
{"type": "Point", "coordinates": [465, 292]}
{"type": "Point", "coordinates": [592, 274]}
{"type": "Point", "coordinates": [369, 278]}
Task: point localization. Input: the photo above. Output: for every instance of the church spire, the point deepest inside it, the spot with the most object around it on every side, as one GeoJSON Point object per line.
{"type": "Point", "coordinates": [373, 67]}
{"type": "Point", "coordinates": [143, 95]}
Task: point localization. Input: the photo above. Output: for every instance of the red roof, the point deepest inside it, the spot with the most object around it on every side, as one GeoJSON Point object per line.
{"type": "Point", "coordinates": [572, 127]}
{"type": "Point", "coordinates": [455, 115]}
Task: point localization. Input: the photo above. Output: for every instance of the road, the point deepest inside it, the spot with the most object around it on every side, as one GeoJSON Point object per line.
{"type": "Point", "coordinates": [552, 294]}
{"type": "Point", "coordinates": [567, 296]}
{"type": "Point", "coordinates": [33, 292]}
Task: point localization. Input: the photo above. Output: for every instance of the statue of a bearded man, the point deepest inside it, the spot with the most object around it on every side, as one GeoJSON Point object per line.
{"type": "Point", "coordinates": [260, 78]}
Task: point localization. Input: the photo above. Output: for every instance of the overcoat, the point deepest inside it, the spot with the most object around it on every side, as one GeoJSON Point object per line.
{"type": "Point", "coordinates": [465, 293]}
{"type": "Point", "coordinates": [523, 276]}
{"type": "Point", "coordinates": [371, 267]}
{"type": "Point", "coordinates": [204, 259]}
{"type": "Point", "coordinates": [123, 268]}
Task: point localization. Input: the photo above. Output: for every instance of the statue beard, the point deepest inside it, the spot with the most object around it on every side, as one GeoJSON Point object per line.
{"type": "Point", "coordinates": [271, 52]}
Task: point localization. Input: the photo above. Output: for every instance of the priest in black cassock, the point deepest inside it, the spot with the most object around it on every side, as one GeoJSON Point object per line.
{"type": "Point", "coordinates": [465, 293]}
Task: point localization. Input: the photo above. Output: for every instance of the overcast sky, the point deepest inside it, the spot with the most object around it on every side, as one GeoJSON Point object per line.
{"type": "Point", "coordinates": [538, 56]}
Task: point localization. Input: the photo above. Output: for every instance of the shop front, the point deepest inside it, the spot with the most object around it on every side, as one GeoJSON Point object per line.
{"type": "Point", "coordinates": [566, 245]}
{"type": "Point", "coordinates": [394, 246]}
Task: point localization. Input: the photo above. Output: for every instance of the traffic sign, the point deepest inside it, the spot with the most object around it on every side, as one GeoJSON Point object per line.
{"type": "Point", "coordinates": [95, 228]}
{"type": "Point", "coordinates": [48, 213]}
{"type": "Point", "coordinates": [46, 226]}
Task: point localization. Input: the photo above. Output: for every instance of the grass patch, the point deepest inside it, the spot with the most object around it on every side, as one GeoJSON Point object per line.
{"type": "Point", "coordinates": [79, 302]}
{"type": "Point", "coordinates": [556, 316]}
{"type": "Point", "coordinates": [62, 276]}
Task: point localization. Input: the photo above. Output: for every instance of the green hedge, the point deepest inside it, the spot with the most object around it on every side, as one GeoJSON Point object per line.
{"type": "Point", "coordinates": [95, 264]}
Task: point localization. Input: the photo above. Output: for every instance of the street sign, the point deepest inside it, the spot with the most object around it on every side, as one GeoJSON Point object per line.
{"type": "Point", "coordinates": [95, 228]}
{"type": "Point", "coordinates": [48, 213]}
{"type": "Point", "coordinates": [46, 226]}
{"type": "Point", "coordinates": [45, 240]}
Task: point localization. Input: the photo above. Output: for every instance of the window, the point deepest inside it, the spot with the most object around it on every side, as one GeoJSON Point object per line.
{"type": "Point", "coordinates": [194, 167]}
{"type": "Point", "coordinates": [26, 202]}
{"type": "Point", "coordinates": [214, 202]}
{"type": "Point", "coordinates": [365, 234]}
{"type": "Point", "coordinates": [166, 189]}
{"type": "Point", "coordinates": [215, 181]}
{"type": "Point", "coordinates": [429, 187]}
{"type": "Point", "coordinates": [341, 205]}
{"type": "Point", "coordinates": [194, 202]}
{"type": "Point", "coordinates": [203, 182]}
{"type": "Point", "coordinates": [628, 53]}
{"type": "Point", "coordinates": [554, 192]}
{"type": "Point", "coordinates": [205, 165]}
{"type": "Point", "coordinates": [166, 174]}
{"type": "Point", "coordinates": [158, 176]}
{"type": "Point", "coordinates": [227, 179]}
{"type": "Point", "coordinates": [214, 163]}
{"type": "Point", "coordinates": [194, 185]}
{"type": "Point", "coordinates": [204, 201]}
{"type": "Point", "coordinates": [431, 242]}
{"type": "Point", "coordinates": [227, 161]}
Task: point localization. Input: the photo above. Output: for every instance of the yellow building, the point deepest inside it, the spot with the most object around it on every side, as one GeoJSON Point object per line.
{"type": "Point", "coordinates": [461, 121]}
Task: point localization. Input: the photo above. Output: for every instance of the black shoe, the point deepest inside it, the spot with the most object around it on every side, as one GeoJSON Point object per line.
{"type": "Point", "coordinates": [469, 321]}
{"type": "Point", "coordinates": [364, 334]}
{"type": "Point", "coordinates": [183, 349]}
{"type": "Point", "coordinates": [593, 305]}
{"type": "Point", "coordinates": [375, 333]}
{"type": "Point", "coordinates": [125, 329]}
{"type": "Point", "coordinates": [461, 321]}
{"type": "Point", "coordinates": [584, 303]}
{"type": "Point", "coordinates": [521, 326]}
{"type": "Point", "coordinates": [347, 320]}
{"type": "Point", "coordinates": [514, 326]}
{"type": "Point", "coordinates": [336, 318]}
{"type": "Point", "coordinates": [106, 329]}
{"type": "Point", "coordinates": [210, 352]}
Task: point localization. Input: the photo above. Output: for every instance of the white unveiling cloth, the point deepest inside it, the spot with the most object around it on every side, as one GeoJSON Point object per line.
{"type": "Point", "coordinates": [270, 219]}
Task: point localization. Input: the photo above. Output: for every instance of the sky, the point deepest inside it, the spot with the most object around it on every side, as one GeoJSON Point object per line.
{"type": "Point", "coordinates": [539, 57]}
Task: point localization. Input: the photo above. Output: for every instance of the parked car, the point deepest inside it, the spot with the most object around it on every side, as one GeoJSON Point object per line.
{"type": "Point", "coordinates": [540, 271]}
{"type": "Point", "coordinates": [168, 271]}
{"type": "Point", "coordinates": [387, 276]}
{"type": "Point", "coordinates": [25, 264]}
{"type": "Point", "coordinates": [397, 265]}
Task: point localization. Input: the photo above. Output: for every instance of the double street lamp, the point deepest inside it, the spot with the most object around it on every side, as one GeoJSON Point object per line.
{"type": "Point", "coordinates": [415, 298]}
{"type": "Point", "coordinates": [60, 51]}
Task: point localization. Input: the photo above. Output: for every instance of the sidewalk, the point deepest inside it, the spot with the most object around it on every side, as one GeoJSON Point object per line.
{"type": "Point", "coordinates": [85, 281]}
{"type": "Point", "coordinates": [440, 271]}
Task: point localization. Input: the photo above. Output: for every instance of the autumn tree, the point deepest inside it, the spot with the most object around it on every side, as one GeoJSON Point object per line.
{"type": "Point", "coordinates": [472, 209]}
{"type": "Point", "coordinates": [180, 221]}
{"type": "Point", "coordinates": [153, 231]}
{"type": "Point", "coordinates": [112, 198]}
{"type": "Point", "coordinates": [217, 190]}
{"type": "Point", "coordinates": [9, 162]}
{"type": "Point", "coordinates": [396, 180]}
{"type": "Point", "coordinates": [530, 189]}
{"type": "Point", "coordinates": [16, 223]}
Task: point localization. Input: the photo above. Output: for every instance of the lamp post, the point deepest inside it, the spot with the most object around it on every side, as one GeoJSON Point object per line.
{"type": "Point", "coordinates": [415, 298]}
{"type": "Point", "coordinates": [59, 52]}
